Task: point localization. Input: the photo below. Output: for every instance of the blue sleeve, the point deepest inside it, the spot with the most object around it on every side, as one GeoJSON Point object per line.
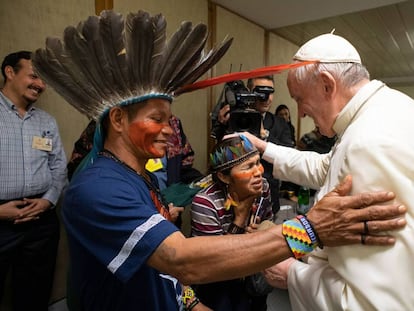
{"type": "Point", "coordinates": [112, 216]}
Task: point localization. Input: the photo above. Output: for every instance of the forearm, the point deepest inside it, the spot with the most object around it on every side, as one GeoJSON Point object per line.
{"type": "Point", "coordinates": [209, 259]}
{"type": "Point", "coordinates": [290, 164]}
{"type": "Point", "coordinates": [303, 168]}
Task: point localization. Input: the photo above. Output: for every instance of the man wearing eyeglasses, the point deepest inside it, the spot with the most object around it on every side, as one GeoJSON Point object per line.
{"type": "Point", "coordinates": [274, 129]}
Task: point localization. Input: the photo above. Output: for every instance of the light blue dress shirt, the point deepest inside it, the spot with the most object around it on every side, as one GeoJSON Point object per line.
{"type": "Point", "coordinates": [24, 170]}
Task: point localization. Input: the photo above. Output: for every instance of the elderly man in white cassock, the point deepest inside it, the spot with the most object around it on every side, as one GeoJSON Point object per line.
{"type": "Point", "coordinates": [374, 127]}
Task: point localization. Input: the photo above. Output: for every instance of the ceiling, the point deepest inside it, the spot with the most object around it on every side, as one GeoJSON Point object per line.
{"type": "Point", "coordinates": [381, 30]}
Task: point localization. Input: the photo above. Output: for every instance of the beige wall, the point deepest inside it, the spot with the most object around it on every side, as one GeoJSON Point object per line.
{"type": "Point", "coordinates": [246, 51]}
{"type": "Point", "coordinates": [281, 52]}
{"type": "Point", "coordinates": [25, 26]}
{"type": "Point", "coordinates": [409, 90]}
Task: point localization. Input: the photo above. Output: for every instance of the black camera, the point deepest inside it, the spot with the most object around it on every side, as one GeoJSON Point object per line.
{"type": "Point", "coordinates": [243, 116]}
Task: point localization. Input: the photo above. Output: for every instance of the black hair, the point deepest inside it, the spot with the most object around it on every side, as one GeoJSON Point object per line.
{"type": "Point", "coordinates": [280, 108]}
{"type": "Point", "coordinates": [13, 60]}
{"type": "Point", "coordinates": [250, 81]}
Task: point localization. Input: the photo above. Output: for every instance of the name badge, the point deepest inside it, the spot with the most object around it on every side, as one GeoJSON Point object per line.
{"type": "Point", "coordinates": [153, 165]}
{"type": "Point", "coordinates": [42, 143]}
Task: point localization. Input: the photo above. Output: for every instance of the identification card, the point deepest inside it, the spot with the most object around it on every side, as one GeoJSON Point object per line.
{"type": "Point", "coordinates": [42, 143]}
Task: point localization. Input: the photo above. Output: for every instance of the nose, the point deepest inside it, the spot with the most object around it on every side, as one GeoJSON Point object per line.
{"type": "Point", "coordinates": [40, 84]}
{"type": "Point", "coordinates": [167, 130]}
{"type": "Point", "coordinates": [259, 170]}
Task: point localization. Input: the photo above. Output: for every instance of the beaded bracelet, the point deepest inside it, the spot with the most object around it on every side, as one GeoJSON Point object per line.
{"type": "Point", "coordinates": [297, 237]}
{"type": "Point", "coordinates": [195, 302]}
{"type": "Point", "coordinates": [188, 295]}
{"type": "Point", "coordinates": [235, 229]}
{"type": "Point", "coordinates": [309, 229]}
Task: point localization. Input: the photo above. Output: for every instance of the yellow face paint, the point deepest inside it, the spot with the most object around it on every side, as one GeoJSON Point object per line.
{"type": "Point", "coordinates": [248, 174]}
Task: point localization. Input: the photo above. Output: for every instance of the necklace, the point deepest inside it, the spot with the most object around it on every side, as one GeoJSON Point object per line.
{"type": "Point", "coordinates": [108, 154]}
{"type": "Point", "coordinates": [155, 192]}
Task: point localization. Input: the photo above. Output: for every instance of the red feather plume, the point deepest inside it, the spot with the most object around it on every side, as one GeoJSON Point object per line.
{"type": "Point", "coordinates": [259, 72]}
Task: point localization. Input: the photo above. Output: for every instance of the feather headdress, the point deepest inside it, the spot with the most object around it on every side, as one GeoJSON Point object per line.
{"type": "Point", "coordinates": [107, 61]}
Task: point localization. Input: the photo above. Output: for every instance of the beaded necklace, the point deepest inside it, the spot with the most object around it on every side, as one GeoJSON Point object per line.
{"type": "Point", "coordinates": [155, 192]}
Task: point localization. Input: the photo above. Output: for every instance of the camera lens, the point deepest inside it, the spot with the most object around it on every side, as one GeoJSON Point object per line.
{"type": "Point", "coordinates": [243, 123]}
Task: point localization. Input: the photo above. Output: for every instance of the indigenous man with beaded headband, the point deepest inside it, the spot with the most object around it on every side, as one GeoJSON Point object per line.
{"type": "Point", "coordinates": [124, 253]}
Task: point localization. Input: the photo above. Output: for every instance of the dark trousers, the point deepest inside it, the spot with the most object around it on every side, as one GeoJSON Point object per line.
{"type": "Point", "coordinates": [28, 252]}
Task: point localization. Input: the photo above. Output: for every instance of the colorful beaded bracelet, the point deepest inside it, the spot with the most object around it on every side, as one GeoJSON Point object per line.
{"type": "Point", "coordinates": [309, 229]}
{"type": "Point", "coordinates": [298, 238]}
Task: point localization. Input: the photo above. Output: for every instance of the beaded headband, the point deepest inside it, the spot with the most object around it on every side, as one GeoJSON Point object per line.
{"type": "Point", "coordinates": [231, 152]}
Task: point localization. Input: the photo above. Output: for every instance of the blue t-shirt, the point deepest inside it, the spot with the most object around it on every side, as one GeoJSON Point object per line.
{"type": "Point", "coordinates": [161, 174]}
{"type": "Point", "coordinates": [113, 228]}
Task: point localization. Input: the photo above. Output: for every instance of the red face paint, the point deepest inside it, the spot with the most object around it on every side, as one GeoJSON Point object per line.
{"type": "Point", "coordinates": [143, 135]}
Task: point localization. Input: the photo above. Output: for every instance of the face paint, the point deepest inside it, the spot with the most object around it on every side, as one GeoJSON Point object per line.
{"type": "Point", "coordinates": [143, 134]}
{"type": "Point", "coordinates": [249, 173]}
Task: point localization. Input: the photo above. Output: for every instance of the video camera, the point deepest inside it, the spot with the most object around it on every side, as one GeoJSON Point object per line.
{"type": "Point", "coordinates": [243, 116]}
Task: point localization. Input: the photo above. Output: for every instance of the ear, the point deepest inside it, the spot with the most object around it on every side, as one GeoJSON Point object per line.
{"type": "Point", "coordinates": [224, 178]}
{"type": "Point", "coordinates": [117, 117]}
{"type": "Point", "coordinates": [9, 72]}
{"type": "Point", "coordinates": [329, 84]}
